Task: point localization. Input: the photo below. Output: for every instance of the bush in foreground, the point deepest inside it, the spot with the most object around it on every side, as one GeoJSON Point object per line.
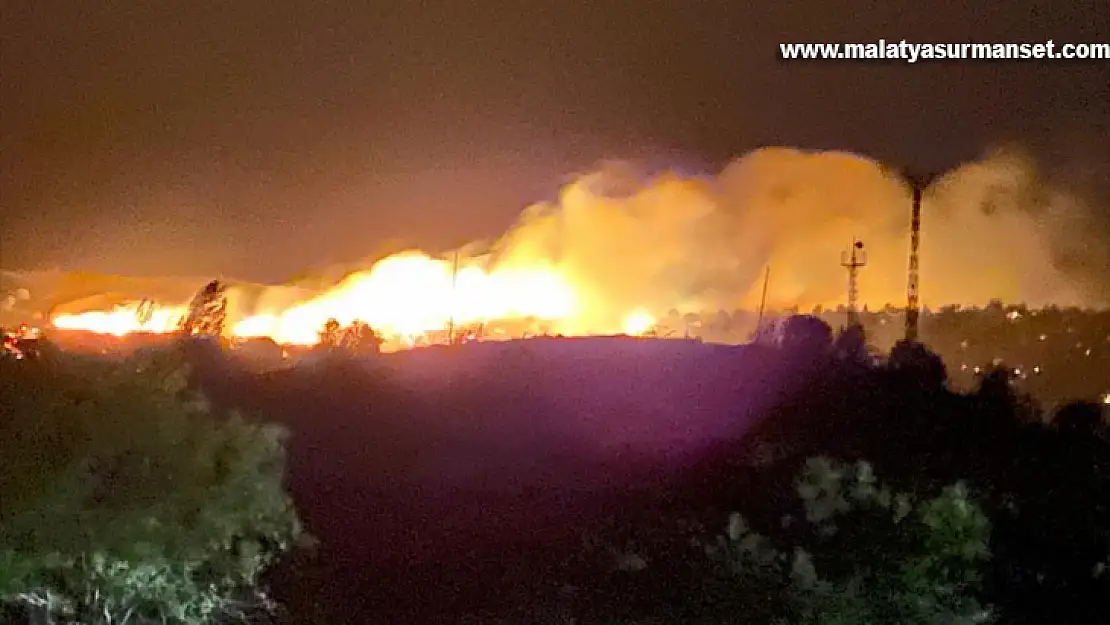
{"type": "Point", "coordinates": [125, 502]}
{"type": "Point", "coordinates": [865, 554]}
{"type": "Point", "coordinates": [851, 552]}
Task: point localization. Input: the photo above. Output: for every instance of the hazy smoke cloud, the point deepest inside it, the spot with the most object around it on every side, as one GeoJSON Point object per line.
{"type": "Point", "coordinates": [991, 229]}
{"type": "Point", "coordinates": [1004, 227]}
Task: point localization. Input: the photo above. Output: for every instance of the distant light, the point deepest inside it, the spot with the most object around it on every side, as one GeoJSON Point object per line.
{"type": "Point", "coordinates": [1017, 372]}
{"type": "Point", "coordinates": [1044, 336]}
{"type": "Point", "coordinates": [1013, 315]}
{"type": "Point", "coordinates": [1037, 369]}
{"type": "Point", "coordinates": [977, 369]}
{"type": "Point", "coordinates": [1106, 399]}
{"type": "Point", "coordinates": [1088, 352]}
{"type": "Point", "coordinates": [963, 367]}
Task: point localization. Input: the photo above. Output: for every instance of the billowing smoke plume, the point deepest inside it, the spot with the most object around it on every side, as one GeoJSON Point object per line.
{"type": "Point", "coordinates": [991, 229]}
{"type": "Point", "coordinates": [619, 245]}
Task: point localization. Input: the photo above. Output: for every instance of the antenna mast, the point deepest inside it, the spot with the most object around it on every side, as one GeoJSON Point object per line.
{"type": "Point", "coordinates": [852, 260]}
{"type": "Point", "coordinates": [918, 182]}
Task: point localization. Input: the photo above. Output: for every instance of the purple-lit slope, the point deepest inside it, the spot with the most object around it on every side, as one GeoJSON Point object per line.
{"type": "Point", "coordinates": [436, 461]}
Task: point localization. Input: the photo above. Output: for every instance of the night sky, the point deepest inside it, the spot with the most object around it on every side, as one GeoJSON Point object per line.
{"type": "Point", "coordinates": [252, 138]}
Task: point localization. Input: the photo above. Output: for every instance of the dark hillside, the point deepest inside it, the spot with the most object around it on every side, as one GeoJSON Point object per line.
{"type": "Point", "coordinates": [451, 460]}
{"type": "Point", "coordinates": [444, 481]}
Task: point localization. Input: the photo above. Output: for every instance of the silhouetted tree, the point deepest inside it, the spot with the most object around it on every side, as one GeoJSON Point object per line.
{"type": "Point", "coordinates": [144, 312]}
{"type": "Point", "coordinates": [995, 384]}
{"type": "Point", "coordinates": [914, 361]}
{"type": "Point", "coordinates": [360, 338]}
{"type": "Point", "coordinates": [331, 334]}
{"type": "Point", "coordinates": [356, 338]}
{"type": "Point", "coordinates": [207, 311]}
{"type": "Point", "coordinates": [851, 345]}
{"type": "Point", "coordinates": [805, 334]}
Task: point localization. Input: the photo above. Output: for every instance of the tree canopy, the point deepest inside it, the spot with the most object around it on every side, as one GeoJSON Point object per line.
{"type": "Point", "coordinates": [207, 312]}
{"type": "Point", "coordinates": [124, 502]}
{"type": "Point", "coordinates": [869, 554]}
{"type": "Point", "coordinates": [356, 338]}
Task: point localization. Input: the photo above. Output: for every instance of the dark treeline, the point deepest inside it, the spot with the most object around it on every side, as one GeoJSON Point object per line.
{"type": "Point", "coordinates": [1043, 478]}
{"type": "Point", "coordinates": [1058, 354]}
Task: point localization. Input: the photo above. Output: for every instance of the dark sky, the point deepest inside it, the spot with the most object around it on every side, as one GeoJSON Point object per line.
{"type": "Point", "coordinates": [253, 137]}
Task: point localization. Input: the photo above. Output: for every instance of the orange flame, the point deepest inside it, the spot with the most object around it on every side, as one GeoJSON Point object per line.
{"type": "Point", "coordinates": [408, 295]}
{"type": "Point", "coordinates": [403, 297]}
{"type": "Point", "coordinates": [122, 320]}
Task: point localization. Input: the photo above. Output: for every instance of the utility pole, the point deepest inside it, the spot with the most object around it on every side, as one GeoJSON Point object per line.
{"type": "Point", "coordinates": [853, 259]}
{"type": "Point", "coordinates": [918, 182]}
{"type": "Point", "coordinates": [454, 300]}
{"type": "Point", "coordinates": [763, 300]}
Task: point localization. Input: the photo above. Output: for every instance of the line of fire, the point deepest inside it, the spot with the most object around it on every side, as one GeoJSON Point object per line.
{"type": "Point", "coordinates": [453, 302]}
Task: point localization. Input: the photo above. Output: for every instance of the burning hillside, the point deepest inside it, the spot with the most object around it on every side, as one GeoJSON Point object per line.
{"type": "Point", "coordinates": [618, 250]}
{"type": "Point", "coordinates": [405, 297]}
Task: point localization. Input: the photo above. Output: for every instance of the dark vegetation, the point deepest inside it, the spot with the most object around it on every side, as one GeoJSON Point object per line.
{"type": "Point", "coordinates": [1056, 354]}
{"type": "Point", "coordinates": [125, 501]}
{"type": "Point", "coordinates": [520, 480]}
{"type": "Point", "coordinates": [645, 481]}
{"type": "Point", "coordinates": [357, 338]}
